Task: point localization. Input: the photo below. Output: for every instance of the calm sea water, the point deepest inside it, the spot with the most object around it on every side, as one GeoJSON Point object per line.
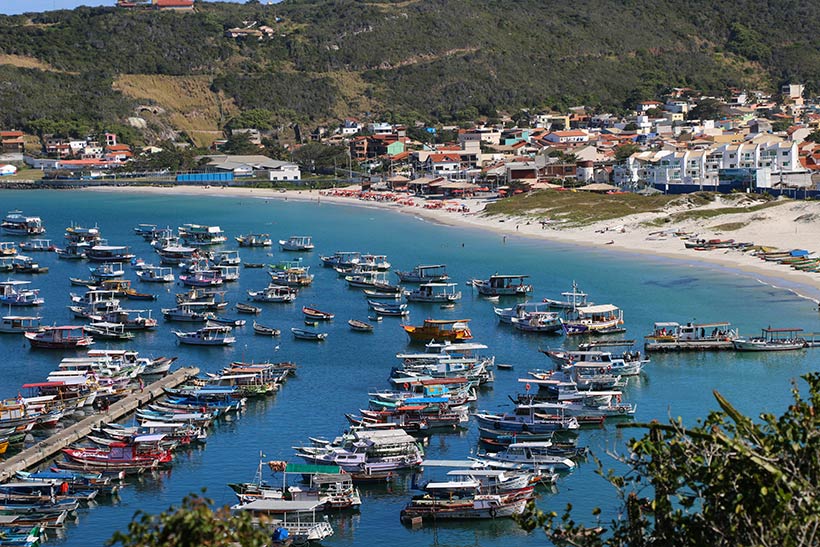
{"type": "Point", "coordinates": [335, 376]}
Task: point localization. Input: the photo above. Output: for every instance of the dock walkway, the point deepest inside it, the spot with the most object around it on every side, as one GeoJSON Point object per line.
{"type": "Point", "coordinates": [51, 446]}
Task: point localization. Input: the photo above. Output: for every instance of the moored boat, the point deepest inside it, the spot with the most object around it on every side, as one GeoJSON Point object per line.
{"type": "Point", "coordinates": [313, 313]}
{"type": "Point", "coordinates": [452, 330]}
{"type": "Point", "coordinates": [20, 324]}
{"type": "Point", "coordinates": [265, 331]}
{"type": "Point", "coordinates": [65, 337]}
{"type": "Point", "coordinates": [360, 326]}
{"type": "Point", "coordinates": [296, 243]}
{"type": "Point", "coordinates": [672, 336]}
{"type": "Point", "coordinates": [424, 273]}
{"type": "Point", "coordinates": [207, 336]}
{"type": "Point", "coordinates": [772, 340]}
{"type": "Point", "coordinates": [304, 334]}
{"type": "Point", "coordinates": [503, 285]}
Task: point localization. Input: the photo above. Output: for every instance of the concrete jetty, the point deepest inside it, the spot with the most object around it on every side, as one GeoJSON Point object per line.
{"type": "Point", "coordinates": [51, 446]}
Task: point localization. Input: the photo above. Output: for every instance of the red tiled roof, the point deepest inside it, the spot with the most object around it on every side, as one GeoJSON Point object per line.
{"type": "Point", "coordinates": [444, 158]}
{"type": "Point", "coordinates": [174, 3]}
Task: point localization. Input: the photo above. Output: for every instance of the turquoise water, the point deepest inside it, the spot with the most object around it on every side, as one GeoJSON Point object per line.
{"type": "Point", "coordinates": [334, 377]}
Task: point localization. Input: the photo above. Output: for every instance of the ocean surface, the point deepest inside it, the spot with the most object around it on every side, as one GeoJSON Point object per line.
{"type": "Point", "coordinates": [334, 376]}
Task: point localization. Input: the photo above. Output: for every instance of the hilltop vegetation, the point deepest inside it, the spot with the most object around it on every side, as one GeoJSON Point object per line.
{"type": "Point", "coordinates": [433, 60]}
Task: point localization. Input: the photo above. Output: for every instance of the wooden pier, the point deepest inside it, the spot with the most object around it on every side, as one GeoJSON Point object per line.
{"type": "Point", "coordinates": [52, 446]}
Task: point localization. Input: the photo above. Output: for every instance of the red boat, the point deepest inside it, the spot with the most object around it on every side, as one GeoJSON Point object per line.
{"type": "Point", "coordinates": [119, 456]}
{"type": "Point", "coordinates": [313, 313]}
{"type": "Point", "coordinates": [68, 337]}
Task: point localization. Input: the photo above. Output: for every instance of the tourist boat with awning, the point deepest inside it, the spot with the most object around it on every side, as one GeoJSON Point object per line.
{"type": "Point", "coordinates": [16, 293]}
{"type": "Point", "coordinates": [156, 274]}
{"type": "Point", "coordinates": [73, 251]}
{"type": "Point", "coordinates": [424, 273]}
{"type": "Point", "coordinates": [8, 248]}
{"type": "Point", "coordinates": [434, 293]}
{"type": "Point", "coordinates": [206, 278]}
{"type": "Point", "coordinates": [207, 336]}
{"type": "Point", "coordinates": [362, 451]}
{"type": "Point", "coordinates": [199, 235]}
{"type": "Point", "coordinates": [298, 276]}
{"type": "Point", "coordinates": [254, 240]}
{"type": "Point", "coordinates": [227, 258]}
{"type": "Point", "coordinates": [119, 457]}
{"type": "Point", "coordinates": [374, 262]}
{"type": "Point", "coordinates": [542, 322]}
{"type": "Point", "coordinates": [131, 320]}
{"type": "Point", "coordinates": [671, 336]}
{"type": "Point", "coordinates": [27, 265]}
{"type": "Point", "coordinates": [296, 243]}
{"type": "Point", "coordinates": [628, 363]}
{"type": "Point", "coordinates": [451, 330]}
{"type": "Point", "coordinates": [529, 423]}
{"type": "Point", "coordinates": [20, 324]}
{"type": "Point", "coordinates": [174, 255]}
{"type": "Point", "coordinates": [37, 245]}
{"type": "Point", "coordinates": [782, 339]}
{"type": "Point", "coordinates": [600, 319]}
{"type": "Point", "coordinates": [506, 315]}
{"type": "Point", "coordinates": [107, 270]}
{"type": "Point", "coordinates": [109, 331]}
{"type": "Point", "coordinates": [17, 224]}
{"type": "Point", "coordinates": [65, 337]}
{"type": "Point", "coordinates": [532, 455]}
{"type": "Point", "coordinates": [109, 253]}
{"type": "Point", "coordinates": [193, 312]}
{"type": "Point", "coordinates": [295, 519]}
{"type": "Point", "coordinates": [595, 404]}
{"type": "Point", "coordinates": [503, 285]}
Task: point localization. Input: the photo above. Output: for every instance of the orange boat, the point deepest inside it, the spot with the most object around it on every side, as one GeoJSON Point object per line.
{"type": "Point", "coordinates": [442, 330]}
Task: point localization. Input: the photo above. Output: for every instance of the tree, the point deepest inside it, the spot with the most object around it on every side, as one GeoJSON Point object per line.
{"type": "Point", "coordinates": [726, 481]}
{"type": "Point", "coordinates": [320, 158]}
{"type": "Point", "coordinates": [239, 143]}
{"type": "Point", "coordinates": [707, 109]}
{"type": "Point", "coordinates": [193, 524]}
{"type": "Point", "coordinates": [625, 150]}
{"type": "Point", "coordinates": [814, 136]}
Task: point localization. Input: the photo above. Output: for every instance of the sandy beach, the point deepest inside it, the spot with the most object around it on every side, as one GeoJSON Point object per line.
{"type": "Point", "coordinates": [786, 225]}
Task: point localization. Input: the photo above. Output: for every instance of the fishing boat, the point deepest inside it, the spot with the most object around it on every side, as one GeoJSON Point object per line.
{"type": "Point", "coordinates": [600, 319]}
{"type": "Point", "coordinates": [366, 451]}
{"type": "Point", "coordinates": [247, 308]}
{"type": "Point", "coordinates": [109, 331]}
{"type": "Point", "coordinates": [174, 255]}
{"type": "Point", "coordinates": [433, 508]}
{"type": "Point", "coordinates": [304, 334]}
{"type": "Point", "coordinates": [120, 457]}
{"type": "Point", "coordinates": [193, 312]}
{"type": "Point", "coordinates": [109, 253]}
{"type": "Point", "coordinates": [146, 231]}
{"type": "Point", "coordinates": [572, 299]}
{"type": "Point", "coordinates": [429, 273]}
{"type": "Point", "coordinates": [296, 243]}
{"type": "Point", "coordinates": [671, 336]}
{"type": "Point", "coordinates": [434, 293]}
{"type": "Point", "coordinates": [381, 295]}
{"type": "Point", "coordinates": [273, 293]}
{"type": "Point", "coordinates": [16, 293]}
{"type": "Point", "coordinates": [66, 337]}
{"type": "Point", "coordinates": [628, 363]}
{"type": "Point", "coordinates": [451, 330]}
{"type": "Point", "coordinates": [200, 235]}
{"type": "Point", "coordinates": [227, 258]}
{"type": "Point", "coordinates": [156, 274]}
{"type": "Point", "coordinates": [26, 265]}
{"type": "Point", "coordinates": [78, 282]}
{"type": "Point", "coordinates": [7, 248]}
{"type": "Point", "coordinates": [313, 313]}
{"type": "Point", "coordinates": [294, 276]}
{"type": "Point", "coordinates": [20, 324]}
{"type": "Point", "coordinates": [17, 224]}
{"type": "Point", "coordinates": [130, 322]}
{"type": "Point", "coordinates": [531, 455]}
{"type": "Point", "coordinates": [544, 322]}
{"type": "Point", "coordinates": [226, 321]}
{"type": "Point", "coordinates": [254, 240]}
{"type": "Point", "coordinates": [503, 285]}
{"type": "Point", "coordinates": [360, 326]}
{"type": "Point", "coordinates": [207, 336]}
{"type": "Point", "coordinates": [72, 251]}
{"type": "Point", "coordinates": [37, 245]}
{"type": "Point", "coordinates": [254, 265]}
{"type": "Point", "coordinates": [772, 340]}
{"type": "Point", "coordinates": [521, 310]}
{"type": "Point", "coordinates": [265, 331]}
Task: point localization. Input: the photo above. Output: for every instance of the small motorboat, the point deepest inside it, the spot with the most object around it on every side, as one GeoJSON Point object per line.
{"type": "Point", "coordinates": [77, 282]}
{"type": "Point", "coordinates": [313, 313]}
{"type": "Point", "coordinates": [303, 334]}
{"type": "Point", "coordinates": [247, 308]}
{"type": "Point", "coordinates": [140, 296]}
{"type": "Point", "coordinates": [360, 326]}
{"type": "Point", "coordinates": [311, 323]}
{"type": "Point", "coordinates": [226, 321]}
{"type": "Point", "coordinates": [109, 331]}
{"type": "Point", "coordinates": [265, 331]}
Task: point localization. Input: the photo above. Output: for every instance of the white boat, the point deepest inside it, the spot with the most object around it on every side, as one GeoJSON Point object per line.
{"type": "Point", "coordinates": [506, 315]}
{"type": "Point", "coordinates": [273, 293]}
{"type": "Point", "coordinates": [596, 404]}
{"type": "Point", "coordinates": [14, 293]}
{"type": "Point", "coordinates": [304, 334]}
{"type": "Point", "coordinates": [343, 259]}
{"type": "Point", "coordinates": [109, 253]}
{"type": "Point", "coordinates": [174, 255]}
{"type": "Point", "coordinates": [532, 455]}
{"type": "Point", "coordinates": [572, 299]}
{"type": "Point", "coordinates": [17, 224]}
{"type": "Point", "coordinates": [772, 340]}
{"type": "Point", "coordinates": [156, 274]}
{"type": "Point", "coordinates": [434, 292]}
{"type": "Point", "coordinates": [216, 335]}
{"type": "Point", "coordinates": [20, 324]}
{"type": "Point", "coordinates": [376, 262]}
{"type": "Point", "coordinates": [109, 331]}
{"type": "Point", "coordinates": [503, 285]}
{"type": "Point", "coordinates": [629, 363]}
{"type": "Point", "coordinates": [107, 270]}
{"type": "Point", "coordinates": [206, 278]}
{"type": "Point", "coordinates": [227, 258]}
{"type": "Point", "coordinates": [37, 245]}
{"type": "Point", "coordinates": [296, 243]}
{"type": "Point", "coordinates": [429, 273]}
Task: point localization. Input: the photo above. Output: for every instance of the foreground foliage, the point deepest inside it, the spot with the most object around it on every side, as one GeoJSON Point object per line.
{"type": "Point", "coordinates": [727, 481]}
{"type": "Point", "coordinates": [193, 524]}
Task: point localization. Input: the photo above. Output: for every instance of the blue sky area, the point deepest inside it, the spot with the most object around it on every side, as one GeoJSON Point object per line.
{"type": "Point", "coordinates": [12, 7]}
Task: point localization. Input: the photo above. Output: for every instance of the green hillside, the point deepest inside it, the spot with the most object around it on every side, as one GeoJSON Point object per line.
{"type": "Point", "coordinates": [433, 60]}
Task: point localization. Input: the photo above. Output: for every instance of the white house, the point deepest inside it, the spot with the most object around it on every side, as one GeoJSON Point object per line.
{"type": "Point", "coordinates": [571, 136]}
{"type": "Point", "coordinates": [244, 166]}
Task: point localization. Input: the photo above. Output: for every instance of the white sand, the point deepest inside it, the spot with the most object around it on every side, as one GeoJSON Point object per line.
{"type": "Point", "coordinates": [775, 226]}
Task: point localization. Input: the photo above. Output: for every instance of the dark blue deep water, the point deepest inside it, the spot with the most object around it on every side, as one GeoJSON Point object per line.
{"type": "Point", "coordinates": [335, 376]}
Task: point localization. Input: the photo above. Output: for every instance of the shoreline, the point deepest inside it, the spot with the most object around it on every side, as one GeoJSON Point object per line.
{"type": "Point", "coordinates": [619, 239]}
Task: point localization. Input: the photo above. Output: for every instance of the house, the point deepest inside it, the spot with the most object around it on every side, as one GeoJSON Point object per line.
{"type": "Point", "coordinates": [443, 164]}
{"type": "Point", "coordinates": [643, 106]}
{"type": "Point", "coordinates": [12, 141]}
{"type": "Point", "coordinates": [178, 5]}
{"type": "Point", "coordinates": [246, 166]}
{"type": "Point", "coordinates": [350, 126]}
{"type": "Point", "coordinates": [380, 128]}
{"type": "Point", "coordinates": [569, 136]}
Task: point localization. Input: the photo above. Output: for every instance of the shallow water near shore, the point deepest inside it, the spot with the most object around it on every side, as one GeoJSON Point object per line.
{"type": "Point", "coordinates": [335, 376]}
